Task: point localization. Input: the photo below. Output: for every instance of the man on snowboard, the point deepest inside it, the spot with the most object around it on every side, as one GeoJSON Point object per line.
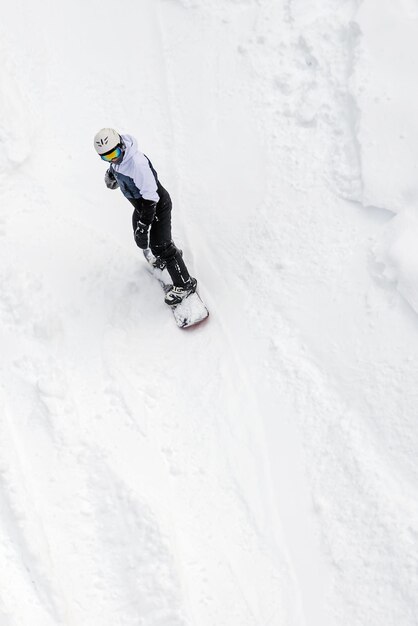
{"type": "Point", "coordinates": [133, 173]}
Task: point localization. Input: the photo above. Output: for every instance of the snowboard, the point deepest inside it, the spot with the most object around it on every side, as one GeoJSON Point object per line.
{"type": "Point", "coordinates": [191, 311]}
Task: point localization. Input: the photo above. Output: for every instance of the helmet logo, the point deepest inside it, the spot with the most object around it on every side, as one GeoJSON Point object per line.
{"type": "Point", "coordinates": [102, 142]}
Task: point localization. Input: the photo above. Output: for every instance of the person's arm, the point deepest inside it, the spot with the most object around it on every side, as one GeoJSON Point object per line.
{"type": "Point", "coordinates": [144, 180]}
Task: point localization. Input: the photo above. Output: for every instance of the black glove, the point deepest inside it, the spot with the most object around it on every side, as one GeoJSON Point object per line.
{"type": "Point", "coordinates": [110, 180]}
{"type": "Point", "coordinates": [141, 235]}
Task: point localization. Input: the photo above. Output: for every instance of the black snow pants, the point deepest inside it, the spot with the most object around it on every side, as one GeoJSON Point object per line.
{"type": "Point", "coordinates": [161, 243]}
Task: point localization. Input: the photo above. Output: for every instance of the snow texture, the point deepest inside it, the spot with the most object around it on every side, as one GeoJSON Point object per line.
{"type": "Point", "coordinates": [261, 470]}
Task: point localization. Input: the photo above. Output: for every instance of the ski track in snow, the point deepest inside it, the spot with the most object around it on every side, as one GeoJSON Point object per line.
{"type": "Point", "coordinates": [259, 470]}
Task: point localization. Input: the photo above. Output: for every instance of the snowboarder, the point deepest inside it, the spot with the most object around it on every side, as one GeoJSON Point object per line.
{"type": "Point", "coordinates": [132, 171]}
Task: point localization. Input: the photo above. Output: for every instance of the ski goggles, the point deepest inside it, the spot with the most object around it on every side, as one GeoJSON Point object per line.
{"type": "Point", "coordinates": [113, 154]}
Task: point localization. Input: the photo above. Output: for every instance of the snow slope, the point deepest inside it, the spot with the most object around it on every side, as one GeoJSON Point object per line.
{"type": "Point", "coordinates": [261, 470]}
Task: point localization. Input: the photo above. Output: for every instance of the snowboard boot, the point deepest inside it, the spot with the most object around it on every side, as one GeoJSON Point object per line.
{"type": "Point", "coordinates": [155, 261]}
{"type": "Point", "coordinates": [175, 295]}
{"type": "Point", "coordinates": [159, 263]}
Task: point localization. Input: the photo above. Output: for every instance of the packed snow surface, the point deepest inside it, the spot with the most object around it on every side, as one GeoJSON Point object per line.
{"type": "Point", "coordinates": [260, 470]}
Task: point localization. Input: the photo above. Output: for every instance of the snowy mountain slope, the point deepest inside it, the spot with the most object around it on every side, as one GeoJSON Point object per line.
{"type": "Point", "coordinates": [142, 487]}
{"type": "Point", "coordinates": [260, 470]}
{"type": "Point", "coordinates": [386, 93]}
{"type": "Point", "coordinates": [364, 341]}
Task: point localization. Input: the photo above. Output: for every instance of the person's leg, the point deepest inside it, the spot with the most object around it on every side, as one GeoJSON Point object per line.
{"type": "Point", "coordinates": [163, 247]}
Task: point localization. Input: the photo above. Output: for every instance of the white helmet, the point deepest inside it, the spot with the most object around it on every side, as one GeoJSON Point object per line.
{"type": "Point", "coordinates": [106, 140]}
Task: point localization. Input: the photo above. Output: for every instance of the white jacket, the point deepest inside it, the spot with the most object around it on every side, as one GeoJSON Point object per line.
{"type": "Point", "coordinates": [134, 174]}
